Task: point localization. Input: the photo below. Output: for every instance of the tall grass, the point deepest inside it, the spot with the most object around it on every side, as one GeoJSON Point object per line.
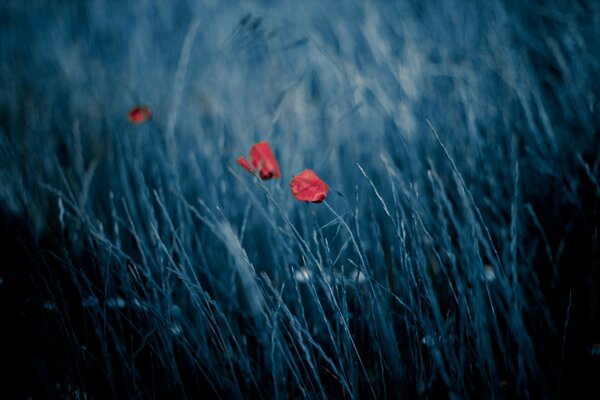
{"type": "Point", "coordinates": [460, 142]}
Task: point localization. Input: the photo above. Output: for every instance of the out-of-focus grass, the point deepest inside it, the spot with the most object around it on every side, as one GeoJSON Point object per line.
{"type": "Point", "coordinates": [455, 256]}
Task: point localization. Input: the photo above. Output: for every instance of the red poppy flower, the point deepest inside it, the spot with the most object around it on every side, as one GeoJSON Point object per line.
{"type": "Point", "coordinates": [307, 186]}
{"type": "Point", "coordinates": [262, 160]}
{"type": "Point", "coordinates": [139, 114]}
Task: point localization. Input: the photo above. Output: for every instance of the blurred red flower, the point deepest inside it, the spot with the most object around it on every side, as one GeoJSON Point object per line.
{"type": "Point", "coordinates": [307, 186]}
{"type": "Point", "coordinates": [262, 160]}
{"type": "Point", "coordinates": [139, 114]}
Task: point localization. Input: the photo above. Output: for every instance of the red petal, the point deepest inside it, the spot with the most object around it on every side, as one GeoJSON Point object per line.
{"type": "Point", "coordinates": [262, 160]}
{"type": "Point", "coordinates": [262, 157]}
{"type": "Point", "coordinates": [307, 186]}
{"type": "Point", "coordinates": [139, 114]}
{"type": "Point", "coordinates": [242, 161]}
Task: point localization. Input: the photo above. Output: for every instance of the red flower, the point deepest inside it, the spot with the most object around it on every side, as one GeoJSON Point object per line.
{"type": "Point", "coordinates": [139, 114]}
{"type": "Point", "coordinates": [262, 160]}
{"type": "Point", "coordinates": [307, 186]}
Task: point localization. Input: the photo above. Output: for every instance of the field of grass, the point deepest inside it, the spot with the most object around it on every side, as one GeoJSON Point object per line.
{"type": "Point", "coordinates": [455, 256]}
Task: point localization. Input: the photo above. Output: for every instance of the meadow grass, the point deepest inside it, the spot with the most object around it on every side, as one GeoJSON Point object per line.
{"type": "Point", "coordinates": [455, 255]}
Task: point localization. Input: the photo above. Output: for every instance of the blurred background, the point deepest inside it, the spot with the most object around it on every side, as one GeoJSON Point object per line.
{"type": "Point", "coordinates": [456, 254]}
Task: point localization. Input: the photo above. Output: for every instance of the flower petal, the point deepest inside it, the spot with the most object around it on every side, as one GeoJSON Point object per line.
{"type": "Point", "coordinates": [261, 159]}
{"type": "Point", "coordinates": [264, 161]}
{"type": "Point", "coordinates": [139, 114]}
{"type": "Point", "coordinates": [307, 186]}
{"type": "Point", "coordinates": [242, 161]}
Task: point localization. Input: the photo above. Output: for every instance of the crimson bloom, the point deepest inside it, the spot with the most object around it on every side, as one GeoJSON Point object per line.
{"type": "Point", "coordinates": [139, 114]}
{"type": "Point", "coordinates": [262, 160]}
{"type": "Point", "coordinates": [307, 186]}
